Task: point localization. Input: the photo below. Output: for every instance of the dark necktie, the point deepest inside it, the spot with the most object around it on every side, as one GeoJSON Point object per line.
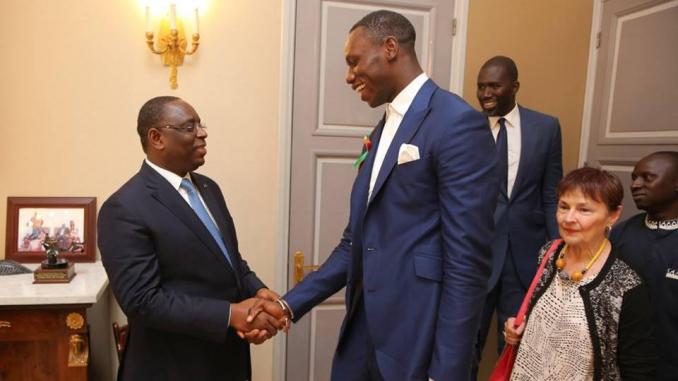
{"type": "Point", "coordinates": [502, 155]}
{"type": "Point", "coordinates": [204, 216]}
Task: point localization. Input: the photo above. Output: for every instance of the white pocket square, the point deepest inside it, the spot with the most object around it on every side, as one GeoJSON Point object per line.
{"type": "Point", "coordinates": [407, 153]}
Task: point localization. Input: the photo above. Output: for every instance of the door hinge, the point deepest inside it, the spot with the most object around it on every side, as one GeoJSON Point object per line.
{"type": "Point", "coordinates": [598, 40]}
{"type": "Point", "coordinates": [454, 26]}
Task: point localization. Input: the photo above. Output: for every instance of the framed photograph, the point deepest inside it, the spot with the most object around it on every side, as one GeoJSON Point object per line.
{"type": "Point", "coordinates": [71, 221]}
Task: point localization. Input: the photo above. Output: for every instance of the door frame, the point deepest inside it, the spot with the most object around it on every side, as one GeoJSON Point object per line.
{"type": "Point", "coordinates": [289, 8]}
{"type": "Point", "coordinates": [596, 21]}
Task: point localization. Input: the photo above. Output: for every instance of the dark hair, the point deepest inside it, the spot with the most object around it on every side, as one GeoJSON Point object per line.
{"type": "Point", "coordinates": [505, 62]}
{"type": "Point", "coordinates": [150, 114]}
{"type": "Point", "coordinates": [382, 24]}
{"type": "Point", "coordinates": [596, 184]}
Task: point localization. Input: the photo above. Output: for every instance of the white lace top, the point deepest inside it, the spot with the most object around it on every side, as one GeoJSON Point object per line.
{"type": "Point", "coordinates": [556, 344]}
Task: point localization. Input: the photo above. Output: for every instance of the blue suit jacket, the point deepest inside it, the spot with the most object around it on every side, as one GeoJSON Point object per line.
{"type": "Point", "coordinates": [423, 240]}
{"type": "Point", "coordinates": [173, 282]}
{"type": "Point", "coordinates": [527, 220]}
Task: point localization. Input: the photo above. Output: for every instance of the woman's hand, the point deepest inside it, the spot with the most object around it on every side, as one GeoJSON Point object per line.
{"type": "Point", "coordinates": [512, 335]}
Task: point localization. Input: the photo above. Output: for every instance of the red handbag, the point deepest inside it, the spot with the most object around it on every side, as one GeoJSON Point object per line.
{"type": "Point", "coordinates": [502, 370]}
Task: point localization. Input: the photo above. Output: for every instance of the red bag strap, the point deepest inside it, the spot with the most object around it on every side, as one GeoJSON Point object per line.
{"type": "Point", "coordinates": [523, 307]}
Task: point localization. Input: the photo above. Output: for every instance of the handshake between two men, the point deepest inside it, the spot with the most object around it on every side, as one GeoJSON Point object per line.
{"type": "Point", "coordinates": [260, 318]}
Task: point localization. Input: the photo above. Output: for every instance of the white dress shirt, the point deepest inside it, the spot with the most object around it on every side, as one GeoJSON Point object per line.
{"type": "Point", "coordinates": [513, 143]}
{"type": "Point", "coordinates": [394, 116]}
{"type": "Point", "coordinates": [175, 181]}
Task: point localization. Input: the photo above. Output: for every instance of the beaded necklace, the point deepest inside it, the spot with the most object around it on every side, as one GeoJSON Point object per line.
{"type": "Point", "coordinates": [578, 275]}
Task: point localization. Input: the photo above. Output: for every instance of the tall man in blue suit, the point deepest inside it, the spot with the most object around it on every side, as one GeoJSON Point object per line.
{"type": "Point", "coordinates": [415, 256]}
{"type": "Point", "coordinates": [169, 247]}
{"type": "Point", "coordinates": [530, 162]}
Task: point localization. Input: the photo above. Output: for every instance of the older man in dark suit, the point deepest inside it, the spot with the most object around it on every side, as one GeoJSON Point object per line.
{"type": "Point", "coordinates": [169, 247]}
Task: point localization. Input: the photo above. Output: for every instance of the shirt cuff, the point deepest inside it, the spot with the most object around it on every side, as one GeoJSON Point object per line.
{"type": "Point", "coordinates": [283, 301]}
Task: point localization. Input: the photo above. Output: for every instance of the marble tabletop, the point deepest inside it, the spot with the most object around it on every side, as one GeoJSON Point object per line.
{"type": "Point", "coordinates": [86, 287]}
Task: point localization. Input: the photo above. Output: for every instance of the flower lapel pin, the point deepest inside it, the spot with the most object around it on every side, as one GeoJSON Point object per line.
{"type": "Point", "coordinates": [367, 144]}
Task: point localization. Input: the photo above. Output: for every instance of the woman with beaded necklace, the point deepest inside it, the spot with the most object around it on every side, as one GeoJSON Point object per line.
{"type": "Point", "coordinates": [589, 316]}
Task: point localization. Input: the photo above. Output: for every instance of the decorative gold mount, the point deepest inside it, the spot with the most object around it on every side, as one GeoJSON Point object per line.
{"type": "Point", "coordinates": [74, 320]}
{"type": "Point", "coordinates": [172, 47]}
{"type": "Point", "coordinates": [300, 268]}
{"type": "Point", "coordinates": [78, 351]}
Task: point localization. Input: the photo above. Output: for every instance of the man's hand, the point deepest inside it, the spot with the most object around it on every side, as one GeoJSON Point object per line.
{"type": "Point", "coordinates": [269, 308]}
{"type": "Point", "coordinates": [266, 294]}
{"type": "Point", "coordinates": [259, 327]}
{"type": "Point", "coordinates": [273, 308]}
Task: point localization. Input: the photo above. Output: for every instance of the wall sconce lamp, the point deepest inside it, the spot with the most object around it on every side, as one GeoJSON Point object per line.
{"type": "Point", "coordinates": [171, 44]}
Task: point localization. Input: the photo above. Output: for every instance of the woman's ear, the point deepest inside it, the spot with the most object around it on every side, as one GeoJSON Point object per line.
{"type": "Point", "coordinates": [614, 215]}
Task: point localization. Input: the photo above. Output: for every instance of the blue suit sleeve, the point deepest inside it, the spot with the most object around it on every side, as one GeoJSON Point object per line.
{"type": "Point", "coordinates": [320, 285]}
{"type": "Point", "coordinates": [553, 174]}
{"type": "Point", "coordinates": [468, 188]}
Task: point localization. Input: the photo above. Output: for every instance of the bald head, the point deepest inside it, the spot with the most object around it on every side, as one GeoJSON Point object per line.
{"type": "Point", "coordinates": [505, 63]}
{"type": "Point", "coordinates": [654, 185]}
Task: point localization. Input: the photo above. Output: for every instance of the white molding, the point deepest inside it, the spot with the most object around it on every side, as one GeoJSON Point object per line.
{"type": "Point", "coordinates": [314, 320]}
{"type": "Point", "coordinates": [609, 134]}
{"type": "Point", "coordinates": [284, 170]}
{"type": "Point", "coordinates": [459, 47]}
{"type": "Point", "coordinates": [596, 23]}
{"type": "Point", "coordinates": [617, 168]}
{"type": "Point", "coordinates": [342, 130]}
{"type": "Point", "coordinates": [326, 129]}
{"type": "Point", "coordinates": [320, 162]}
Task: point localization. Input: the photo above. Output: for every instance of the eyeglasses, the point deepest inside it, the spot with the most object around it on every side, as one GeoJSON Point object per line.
{"type": "Point", "coordinates": [188, 127]}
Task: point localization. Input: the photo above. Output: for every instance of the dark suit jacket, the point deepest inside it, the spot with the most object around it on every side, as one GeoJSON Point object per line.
{"type": "Point", "coordinates": [528, 219]}
{"type": "Point", "coordinates": [421, 243]}
{"type": "Point", "coordinates": [173, 283]}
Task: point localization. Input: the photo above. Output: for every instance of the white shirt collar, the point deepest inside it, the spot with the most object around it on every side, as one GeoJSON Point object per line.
{"type": "Point", "coordinates": [401, 103]}
{"type": "Point", "coordinates": [512, 118]}
{"type": "Point", "coordinates": [661, 225]}
{"type": "Point", "coordinates": [173, 178]}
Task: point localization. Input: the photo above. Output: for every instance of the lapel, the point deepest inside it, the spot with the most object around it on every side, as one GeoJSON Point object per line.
{"type": "Point", "coordinates": [163, 191]}
{"type": "Point", "coordinates": [362, 182]}
{"type": "Point", "coordinates": [411, 122]}
{"type": "Point", "coordinates": [528, 140]}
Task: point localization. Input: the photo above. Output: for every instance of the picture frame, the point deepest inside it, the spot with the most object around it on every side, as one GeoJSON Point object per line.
{"type": "Point", "coordinates": [69, 220]}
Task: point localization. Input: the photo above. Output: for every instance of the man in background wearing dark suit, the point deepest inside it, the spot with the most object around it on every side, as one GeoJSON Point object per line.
{"type": "Point", "coordinates": [530, 164]}
{"type": "Point", "coordinates": [169, 246]}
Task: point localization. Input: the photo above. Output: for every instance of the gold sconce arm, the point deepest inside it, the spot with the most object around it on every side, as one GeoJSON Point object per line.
{"type": "Point", "coordinates": [151, 44]}
{"type": "Point", "coordinates": [195, 43]}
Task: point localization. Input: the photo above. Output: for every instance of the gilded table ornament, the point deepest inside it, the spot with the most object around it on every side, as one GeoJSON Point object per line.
{"type": "Point", "coordinates": [74, 320]}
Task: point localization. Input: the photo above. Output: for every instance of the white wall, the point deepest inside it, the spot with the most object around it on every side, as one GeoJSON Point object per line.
{"type": "Point", "coordinates": [73, 76]}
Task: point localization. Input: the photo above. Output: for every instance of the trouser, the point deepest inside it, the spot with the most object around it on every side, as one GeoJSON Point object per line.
{"type": "Point", "coordinates": [505, 298]}
{"type": "Point", "coordinates": [356, 359]}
